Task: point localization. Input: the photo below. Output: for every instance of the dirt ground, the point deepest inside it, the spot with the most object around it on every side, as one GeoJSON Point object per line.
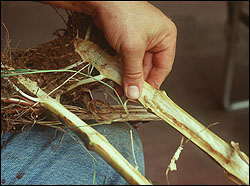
{"type": "Point", "coordinates": [194, 83]}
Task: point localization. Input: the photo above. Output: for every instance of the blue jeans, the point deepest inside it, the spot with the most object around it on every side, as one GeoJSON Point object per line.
{"type": "Point", "coordinates": [30, 158]}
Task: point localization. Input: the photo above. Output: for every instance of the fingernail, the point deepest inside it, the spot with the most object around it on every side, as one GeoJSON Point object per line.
{"type": "Point", "coordinates": [133, 92]}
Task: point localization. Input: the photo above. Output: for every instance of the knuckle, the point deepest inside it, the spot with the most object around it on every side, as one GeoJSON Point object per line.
{"type": "Point", "coordinates": [173, 28]}
{"type": "Point", "coordinates": [132, 75]}
{"type": "Point", "coordinates": [133, 78]}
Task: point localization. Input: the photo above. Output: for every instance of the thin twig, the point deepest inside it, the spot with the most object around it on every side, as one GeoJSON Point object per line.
{"type": "Point", "coordinates": [69, 79]}
{"type": "Point", "coordinates": [133, 150]}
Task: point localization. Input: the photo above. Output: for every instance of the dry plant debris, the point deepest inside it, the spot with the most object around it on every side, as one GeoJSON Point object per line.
{"type": "Point", "coordinates": [55, 66]}
{"type": "Point", "coordinates": [61, 73]}
{"type": "Point", "coordinates": [39, 87]}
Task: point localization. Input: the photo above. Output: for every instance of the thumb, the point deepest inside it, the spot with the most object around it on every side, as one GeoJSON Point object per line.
{"type": "Point", "coordinates": [132, 72]}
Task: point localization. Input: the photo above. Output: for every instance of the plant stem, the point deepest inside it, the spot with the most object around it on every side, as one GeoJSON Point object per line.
{"type": "Point", "coordinates": [92, 139]}
{"type": "Point", "coordinates": [231, 159]}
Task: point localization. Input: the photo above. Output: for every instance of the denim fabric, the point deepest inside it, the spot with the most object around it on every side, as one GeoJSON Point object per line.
{"type": "Point", "coordinates": [29, 158]}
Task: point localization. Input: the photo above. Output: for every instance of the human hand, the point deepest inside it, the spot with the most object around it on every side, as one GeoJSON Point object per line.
{"type": "Point", "coordinates": [143, 36]}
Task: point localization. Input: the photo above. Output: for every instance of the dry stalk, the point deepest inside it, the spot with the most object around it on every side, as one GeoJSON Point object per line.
{"type": "Point", "coordinates": [228, 156]}
{"type": "Point", "coordinates": [114, 113]}
{"type": "Point", "coordinates": [93, 140]}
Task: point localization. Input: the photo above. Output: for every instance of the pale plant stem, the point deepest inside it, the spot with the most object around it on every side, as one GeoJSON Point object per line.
{"type": "Point", "coordinates": [158, 102]}
{"type": "Point", "coordinates": [92, 139]}
{"type": "Point", "coordinates": [85, 81]}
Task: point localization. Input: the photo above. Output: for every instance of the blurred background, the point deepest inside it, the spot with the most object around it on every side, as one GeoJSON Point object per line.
{"type": "Point", "coordinates": [198, 82]}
